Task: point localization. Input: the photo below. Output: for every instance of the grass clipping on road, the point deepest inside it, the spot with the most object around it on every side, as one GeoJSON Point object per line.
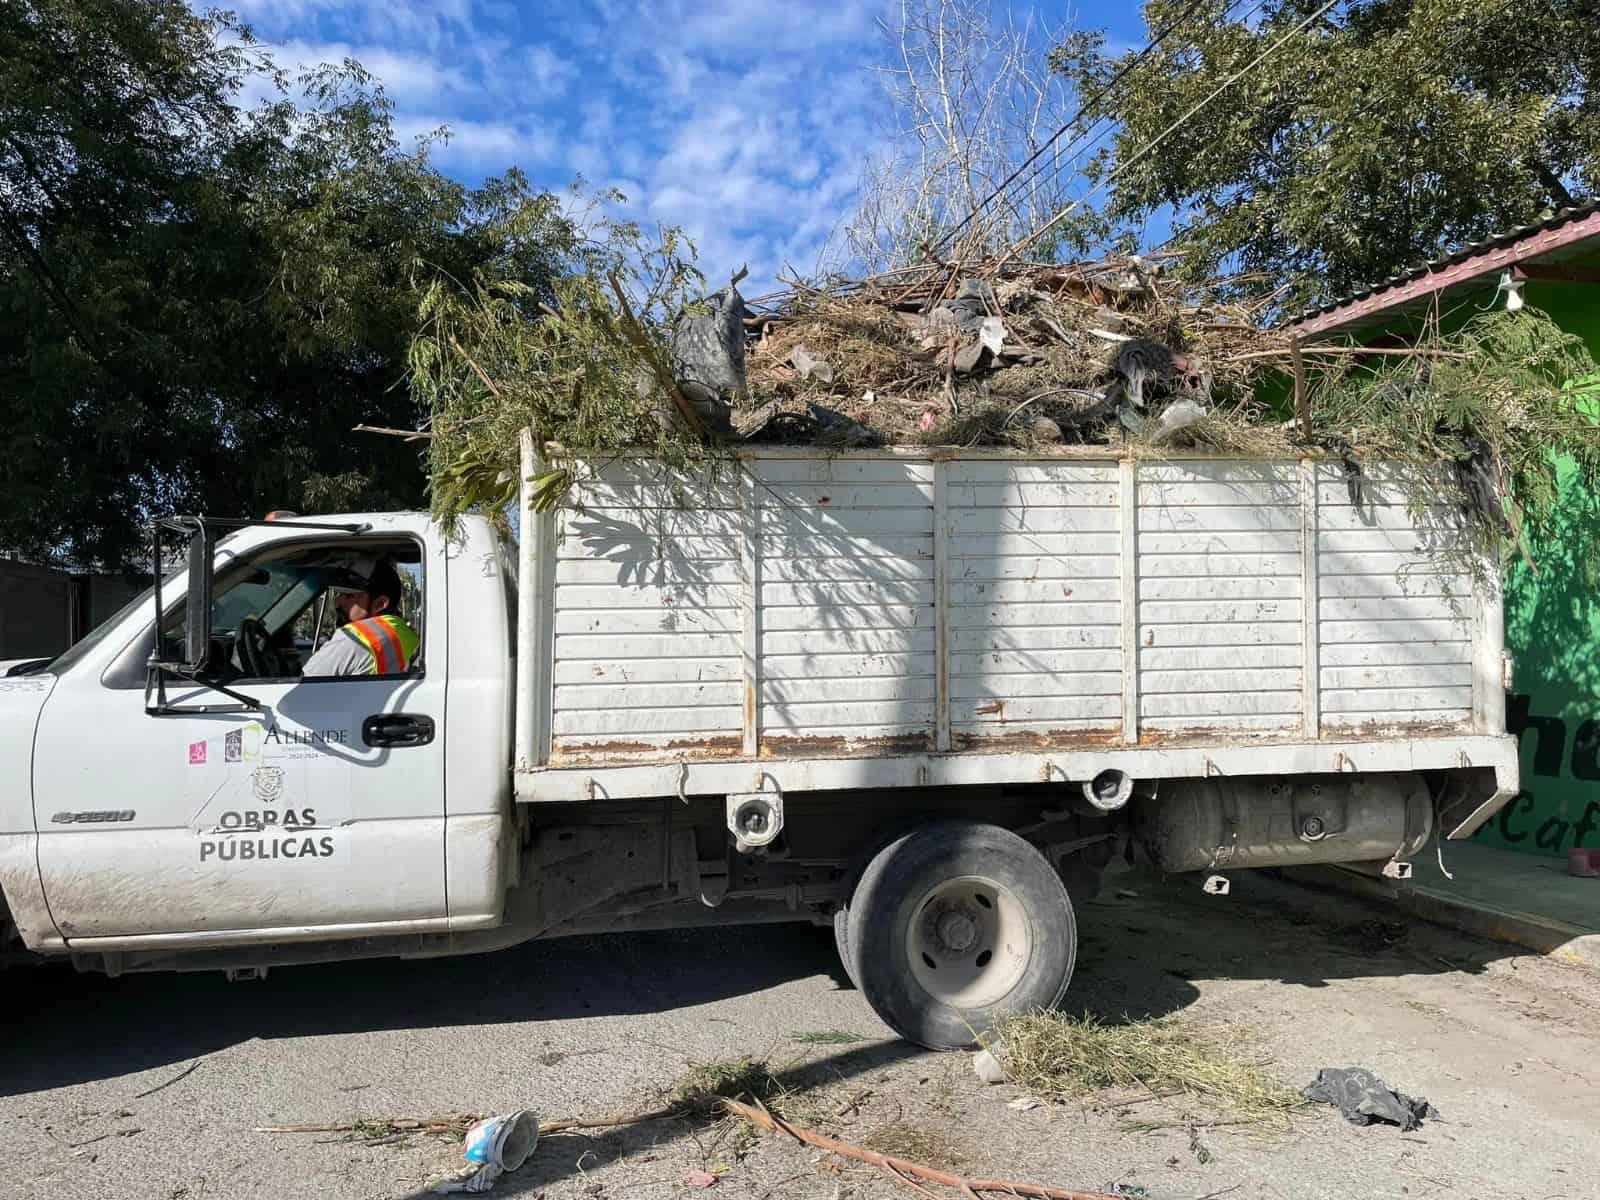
{"type": "Point", "coordinates": [1060, 1057]}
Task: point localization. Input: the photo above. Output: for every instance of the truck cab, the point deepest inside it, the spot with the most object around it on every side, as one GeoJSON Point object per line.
{"type": "Point", "coordinates": [264, 805]}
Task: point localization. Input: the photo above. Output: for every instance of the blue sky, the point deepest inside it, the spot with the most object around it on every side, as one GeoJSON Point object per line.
{"type": "Point", "coordinates": [744, 122]}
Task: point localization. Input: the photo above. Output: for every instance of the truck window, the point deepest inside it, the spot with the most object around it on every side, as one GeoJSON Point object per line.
{"type": "Point", "coordinates": [275, 615]}
{"type": "Point", "coordinates": [271, 613]}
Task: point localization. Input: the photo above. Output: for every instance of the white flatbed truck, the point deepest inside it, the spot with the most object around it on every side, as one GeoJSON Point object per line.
{"type": "Point", "coordinates": [925, 695]}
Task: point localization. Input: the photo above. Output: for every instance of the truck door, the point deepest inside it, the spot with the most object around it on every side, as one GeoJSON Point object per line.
{"type": "Point", "coordinates": [319, 815]}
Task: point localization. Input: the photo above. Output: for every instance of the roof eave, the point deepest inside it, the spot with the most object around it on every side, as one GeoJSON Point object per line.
{"type": "Point", "coordinates": [1436, 277]}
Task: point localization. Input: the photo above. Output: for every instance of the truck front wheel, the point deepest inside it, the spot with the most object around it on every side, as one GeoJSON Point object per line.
{"type": "Point", "coordinates": [956, 923]}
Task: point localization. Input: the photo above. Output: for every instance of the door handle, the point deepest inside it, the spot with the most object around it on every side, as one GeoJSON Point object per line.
{"type": "Point", "coordinates": [397, 729]}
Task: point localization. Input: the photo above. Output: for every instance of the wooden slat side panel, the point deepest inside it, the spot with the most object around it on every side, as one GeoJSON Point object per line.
{"type": "Point", "coordinates": [633, 671]}
{"type": "Point", "coordinates": [1395, 608]}
{"type": "Point", "coordinates": [1220, 598]}
{"type": "Point", "coordinates": [649, 585]}
{"type": "Point", "coordinates": [840, 666]}
{"type": "Point", "coordinates": [775, 472]}
{"type": "Point", "coordinates": [847, 617]}
{"type": "Point", "coordinates": [1035, 611]}
{"type": "Point", "coordinates": [1025, 684]}
{"type": "Point", "coordinates": [1032, 546]}
{"type": "Point", "coordinates": [831, 688]}
{"type": "Point", "coordinates": [863, 720]}
{"type": "Point", "coordinates": [649, 612]}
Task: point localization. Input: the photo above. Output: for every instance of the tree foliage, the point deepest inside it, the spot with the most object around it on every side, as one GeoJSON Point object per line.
{"type": "Point", "coordinates": [1509, 399]}
{"type": "Point", "coordinates": [198, 301]}
{"type": "Point", "coordinates": [1385, 132]}
{"type": "Point", "coordinates": [583, 367]}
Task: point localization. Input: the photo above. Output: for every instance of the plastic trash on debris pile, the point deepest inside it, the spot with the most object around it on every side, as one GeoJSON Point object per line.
{"type": "Point", "coordinates": [500, 1144]}
{"type": "Point", "coordinates": [708, 357]}
{"type": "Point", "coordinates": [1364, 1099]}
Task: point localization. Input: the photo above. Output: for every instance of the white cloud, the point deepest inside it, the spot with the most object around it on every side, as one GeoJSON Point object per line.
{"type": "Point", "coordinates": [746, 124]}
{"type": "Point", "coordinates": [481, 147]}
{"type": "Point", "coordinates": [415, 22]}
{"type": "Point", "coordinates": [407, 78]}
{"type": "Point", "coordinates": [548, 71]}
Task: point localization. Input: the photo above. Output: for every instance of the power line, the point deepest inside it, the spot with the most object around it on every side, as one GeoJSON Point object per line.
{"type": "Point", "coordinates": [1073, 120]}
{"type": "Point", "coordinates": [1108, 121]}
{"type": "Point", "coordinates": [1150, 147]}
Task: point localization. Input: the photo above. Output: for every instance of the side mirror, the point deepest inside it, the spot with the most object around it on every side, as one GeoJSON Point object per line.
{"type": "Point", "coordinates": [197, 612]}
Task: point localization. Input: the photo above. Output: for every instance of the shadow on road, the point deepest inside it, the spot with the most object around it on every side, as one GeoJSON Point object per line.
{"type": "Point", "coordinates": [1141, 947]}
{"type": "Point", "coordinates": [69, 1028]}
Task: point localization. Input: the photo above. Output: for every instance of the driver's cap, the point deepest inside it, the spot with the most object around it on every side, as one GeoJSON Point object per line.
{"type": "Point", "coordinates": [356, 574]}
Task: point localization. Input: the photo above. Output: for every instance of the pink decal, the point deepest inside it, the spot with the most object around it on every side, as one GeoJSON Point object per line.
{"type": "Point", "coordinates": [197, 753]}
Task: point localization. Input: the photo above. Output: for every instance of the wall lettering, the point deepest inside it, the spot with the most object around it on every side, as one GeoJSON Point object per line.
{"type": "Point", "coordinates": [1550, 732]}
{"type": "Point", "coordinates": [1549, 757]}
{"type": "Point", "coordinates": [1584, 748]}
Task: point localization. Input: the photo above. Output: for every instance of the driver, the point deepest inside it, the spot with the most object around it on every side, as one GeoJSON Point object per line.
{"type": "Point", "coordinates": [374, 638]}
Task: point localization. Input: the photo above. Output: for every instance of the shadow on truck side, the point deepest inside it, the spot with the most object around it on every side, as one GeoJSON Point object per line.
{"type": "Point", "coordinates": [1145, 945]}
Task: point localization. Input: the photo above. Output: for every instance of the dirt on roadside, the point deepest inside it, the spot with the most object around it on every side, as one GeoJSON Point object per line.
{"type": "Point", "coordinates": [1505, 1045]}
{"type": "Point", "coordinates": [154, 1087]}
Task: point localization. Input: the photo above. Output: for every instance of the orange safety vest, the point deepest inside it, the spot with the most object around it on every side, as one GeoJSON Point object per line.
{"type": "Point", "coordinates": [389, 639]}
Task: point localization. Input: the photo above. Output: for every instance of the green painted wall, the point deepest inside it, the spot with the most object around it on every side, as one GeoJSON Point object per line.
{"type": "Point", "coordinates": [1553, 630]}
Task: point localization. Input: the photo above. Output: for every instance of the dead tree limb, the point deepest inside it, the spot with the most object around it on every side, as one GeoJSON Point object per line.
{"type": "Point", "coordinates": [410, 435]}
{"type": "Point", "coordinates": [477, 370]}
{"type": "Point", "coordinates": [1302, 394]}
{"type": "Point", "coordinates": [900, 1168]}
{"type": "Point", "coordinates": [454, 1122]}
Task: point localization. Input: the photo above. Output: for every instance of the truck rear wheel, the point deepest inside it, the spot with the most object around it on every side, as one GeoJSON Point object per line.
{"type": "Point", "coordinates": [955, 924]}
{"type": "Point", "coordinates": [841, 942]}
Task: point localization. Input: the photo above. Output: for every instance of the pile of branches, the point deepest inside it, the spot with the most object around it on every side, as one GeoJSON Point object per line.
{"type": "Point", "coordinates": [630, 353]}
{"type": "Point", "coordinates": [1114, 352]}
{"type": "Point", "coordinates": [1023, 356]}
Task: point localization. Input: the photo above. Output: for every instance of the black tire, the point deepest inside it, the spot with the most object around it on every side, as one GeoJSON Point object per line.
{"type": "Point", "coordinates": [841, 915]}
{"type": "Point", "coordinates": [939, 873]}
{"type": "Point", "coordinates": [841, 941]}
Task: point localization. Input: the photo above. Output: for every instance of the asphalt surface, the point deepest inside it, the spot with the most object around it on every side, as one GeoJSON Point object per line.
{"type": "Point", "coordinates": [153, 1086]}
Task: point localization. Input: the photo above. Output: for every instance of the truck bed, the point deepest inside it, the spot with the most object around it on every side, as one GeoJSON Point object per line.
{"type": "Point", "coordinates": [919, 617]}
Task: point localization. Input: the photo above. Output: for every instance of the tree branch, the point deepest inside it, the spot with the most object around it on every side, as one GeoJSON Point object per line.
{"type": "Point", "coordinates": [900, 1168]}
{"type": "Point", "coordinates": [1552, 182]}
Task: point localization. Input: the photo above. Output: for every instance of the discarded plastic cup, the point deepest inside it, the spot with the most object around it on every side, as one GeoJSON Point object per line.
{"type": "Point", "coordinates": [501, 1144]}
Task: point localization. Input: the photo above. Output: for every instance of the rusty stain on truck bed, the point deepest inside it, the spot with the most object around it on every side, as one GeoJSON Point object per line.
{"type": "Point", "coordinates": [1049, 739]}
{"type": "Point", "coordinates": [597, 753]}
{"type": "Point", "coordinates": [844, 746]}
{"type": "Point", "coordinates": [1369, 730]}
{"type": "Point", "coordinates": [1224, 736]}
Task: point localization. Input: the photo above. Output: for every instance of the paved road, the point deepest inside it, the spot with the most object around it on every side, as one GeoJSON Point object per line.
{"type": "Point", "coordinates": [150, 1086]}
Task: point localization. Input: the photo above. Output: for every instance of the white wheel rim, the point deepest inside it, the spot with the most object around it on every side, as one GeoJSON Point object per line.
{"type": "Point", "coordinates": [969, 942]}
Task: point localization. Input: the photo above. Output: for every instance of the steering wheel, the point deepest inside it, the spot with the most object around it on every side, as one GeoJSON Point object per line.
{"type": "Point", "coordinates": [255, 652]}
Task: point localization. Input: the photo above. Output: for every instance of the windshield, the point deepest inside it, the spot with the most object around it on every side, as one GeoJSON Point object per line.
{"type": "Point", "coordinates": [259, 592]}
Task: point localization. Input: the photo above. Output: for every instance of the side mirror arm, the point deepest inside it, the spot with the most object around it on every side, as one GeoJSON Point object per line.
{"type": "Point", "coordinates": [197, 625]}
{"type": "Point", "coordinates": [156, 703]}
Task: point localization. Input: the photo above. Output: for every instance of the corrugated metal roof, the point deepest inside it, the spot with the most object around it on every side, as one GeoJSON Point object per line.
{"type": "Point", "coordinates": [1499, 241]}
